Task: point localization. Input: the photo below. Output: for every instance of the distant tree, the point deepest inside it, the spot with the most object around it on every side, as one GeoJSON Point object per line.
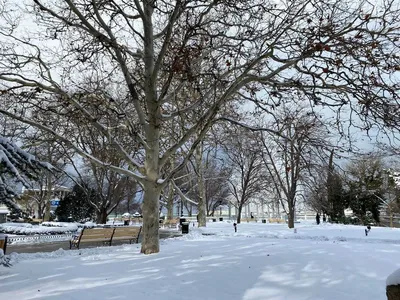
{"type": "Point", "coordinates": [46, 148]}
{"type": "Point", "coordinates": [365, 183]}
{"type": "Point", "coordinates": [217, 189]}
{"type": "Point", "coordinates": [248, 177]}
{"type": "Point", "coordinates": [391, 201]}
{"type": "Point", "coordinates": [112, 187]}
{"type": "Point", "coordinates": [336, 198]}
{"type": "Point", "coordinates": [77, 204]}
{"type": "Point", "coordinates": [292, 150]}
{"type": "Point", "coordinates": [335, 192]}
{"type": "Point", "coordinates": [325, 192]}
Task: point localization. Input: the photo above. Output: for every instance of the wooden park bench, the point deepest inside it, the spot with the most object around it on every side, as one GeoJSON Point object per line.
{"type": "Point", "coordinates": [171, 223]}
{"type": "Point", "coordinates": [275, 220]}
{"type": "Point", "coordinates": [106, 235]}
{"type": "Point", "coordinates": [100, 235]}
{"type": "Point", "coordinates": [127, 234]}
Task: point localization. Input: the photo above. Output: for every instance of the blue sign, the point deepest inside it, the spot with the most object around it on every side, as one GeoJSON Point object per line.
{"type": "Point", "coordinates": [55, 202]}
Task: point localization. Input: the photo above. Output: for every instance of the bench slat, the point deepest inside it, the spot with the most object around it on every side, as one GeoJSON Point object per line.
{"type": "Point", "coordinates": [119, 233]}
{"type": "Point", "coordinates": [96, 235]}
{"type": "Point", "coordinates": [127, 233]}
{"type": "Point", "coordinates": [95, 240]}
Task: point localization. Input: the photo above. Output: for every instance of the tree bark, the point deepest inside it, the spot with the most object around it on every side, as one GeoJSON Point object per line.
{"type": "Point", "coordinates": [151, 203]}
{"type": "Point", "coordinates": [40, 211]}
{"type": "Point", "coordinates": [393, 292]}
{"type": "Point", "coordinates": [238, 217]}
{"type": "Point", "coordinates": [102, 216]}
{"type": "Point", "coordinates": [291, 216]}
{"type": "Point", "coordinates": [150, 243]}
{"type": "Point", "coordinates": [200, 183]}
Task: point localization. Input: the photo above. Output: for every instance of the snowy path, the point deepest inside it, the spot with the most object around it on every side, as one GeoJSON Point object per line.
{"type": "Point", "coordinates": [212, 267]}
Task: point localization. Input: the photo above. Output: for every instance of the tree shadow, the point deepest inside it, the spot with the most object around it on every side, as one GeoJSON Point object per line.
{"type": "Point", "coordinates": [235, 268]}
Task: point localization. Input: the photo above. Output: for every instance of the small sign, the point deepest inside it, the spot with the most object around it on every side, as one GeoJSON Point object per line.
{"type": "Point", "coordinates": [55, 202]}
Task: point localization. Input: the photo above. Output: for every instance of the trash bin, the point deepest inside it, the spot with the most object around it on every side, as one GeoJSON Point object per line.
{"type": "Point", "coordinates": [3, 242]}
{"type": "Point", "coordinates": [264, 220]}
{"type": "Point", "coordinates": [181, 220]}
{"type": "Point", "coordinates": [126, 222]}
{"type": "Point", "coordinates": [185, 227]}
{"type": "Point", "coordinates": [221, 219]}
{"type": "Point", "coordinates": [214, 220]}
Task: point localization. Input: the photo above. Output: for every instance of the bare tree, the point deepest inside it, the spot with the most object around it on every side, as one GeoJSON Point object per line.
{"type": "Point", "coordinates": [44, 147]}
{"type": "Point", "coordinates": [244, 156]}
{"type": "Point", "coordinates": [291, 152]}
{"type": "Point", "coordinates": [169, 57]}
{"type": "Point", "coordinates": [201, 189]}
{"type": "Point", "coordinates": [217, 188]}
{"type": "Point", "coordinates": [112, 189]}
{"type": "Point", "coordinates": [365, 183]}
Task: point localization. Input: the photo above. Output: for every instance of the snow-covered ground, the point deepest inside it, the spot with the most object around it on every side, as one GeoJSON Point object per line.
{"type": "Point", "coordinates": [260, 261]}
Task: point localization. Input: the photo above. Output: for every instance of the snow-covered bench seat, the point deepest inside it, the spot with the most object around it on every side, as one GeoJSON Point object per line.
{"type": "Point", "coordinates": [127, 234]}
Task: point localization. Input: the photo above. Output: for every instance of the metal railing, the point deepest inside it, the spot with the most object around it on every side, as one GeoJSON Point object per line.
{"type": "Point", "coordinates": [38, 238]}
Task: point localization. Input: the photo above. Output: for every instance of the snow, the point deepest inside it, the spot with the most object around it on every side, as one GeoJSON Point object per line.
{"type": "Point", "coordinates": [160, 181]}
{"type": "Point", "coordinates": [28, 229]}
{"type": "Point", "coordinates": [394, 278]}
{"type": "Point", "coordinates": [260, 261]}
{"type": "Point", "coordinates": [90, 224]}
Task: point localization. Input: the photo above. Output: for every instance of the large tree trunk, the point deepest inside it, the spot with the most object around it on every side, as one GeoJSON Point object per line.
{"type": "Point", "coordinates": [200, 183]}
{"type": "Point", "coordinates": [151, 201]}
{"type": "Point", "coordinates": [291, 216]}
{"type": "Point", "coordinates": [150, 243]}
{"type": "Point", "coordinates": [40, 210]}
{"type": "Point", "coordinates": [393, 292]}
{"type": "Point", "coordinates": [239, 215]}
{"type": "Point", "coordinates": [102, 216]}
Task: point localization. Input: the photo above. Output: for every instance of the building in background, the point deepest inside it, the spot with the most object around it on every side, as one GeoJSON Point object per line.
{"type": "Point", "coordinates": [3, 213]}
{"type": "Point", "coordinates": [33, 200]}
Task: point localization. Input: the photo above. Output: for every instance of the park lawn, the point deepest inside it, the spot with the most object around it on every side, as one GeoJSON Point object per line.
{"type": "Point", "coordinates": [260, 261]}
